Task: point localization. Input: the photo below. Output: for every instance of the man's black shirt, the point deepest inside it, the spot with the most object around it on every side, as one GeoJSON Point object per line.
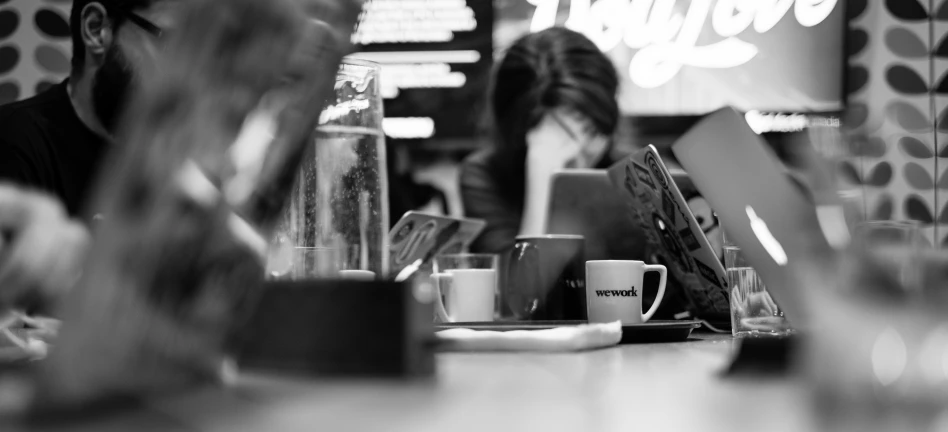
{"type": "Point", "coordinates": [44, 145]}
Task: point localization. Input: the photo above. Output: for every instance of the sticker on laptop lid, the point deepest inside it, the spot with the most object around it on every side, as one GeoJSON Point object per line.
{"type": "Point", "coordinates": [707, 272]}
{"type": "Point", "coordinates": [688, 237]}
{"type": "Point", "coordinates": [643, 175]}
{"type": "Point", "coordinates": [671, 209]}
{"type": "Point", "coordinates": [671, 231]}
{"type": "Point", "coordinates": [656, 170]}
{"type": "Point", "coordinates": [415, 235]}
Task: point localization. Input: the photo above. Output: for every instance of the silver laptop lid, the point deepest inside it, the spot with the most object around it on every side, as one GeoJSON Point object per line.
{"type": "Point", "coordinates": [762, 210]}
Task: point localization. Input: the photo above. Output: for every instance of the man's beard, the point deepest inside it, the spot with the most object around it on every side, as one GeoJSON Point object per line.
{"type": "Point", "coordinates": [111, 87]}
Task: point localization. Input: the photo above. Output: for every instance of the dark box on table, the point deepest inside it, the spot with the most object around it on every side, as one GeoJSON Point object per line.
{"type": "Point", "coordinates": [338, 328]}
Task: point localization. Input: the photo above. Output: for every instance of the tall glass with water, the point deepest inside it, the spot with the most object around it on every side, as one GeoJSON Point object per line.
{"type": "Point", "coordinates": [338, 217]}
{"type": "Point", "coordinates": [753, 311]}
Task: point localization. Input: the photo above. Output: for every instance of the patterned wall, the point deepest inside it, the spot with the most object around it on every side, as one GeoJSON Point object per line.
{"type": "Point", "coordinates": [34, 46]}
{"type": "Point", "coordinates": [899, 109]}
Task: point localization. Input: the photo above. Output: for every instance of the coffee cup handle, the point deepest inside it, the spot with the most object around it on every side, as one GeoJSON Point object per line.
{"type": "Point", "coordinates": [661, 290]}
{"type": "Point", "coordinates": [441, 279]}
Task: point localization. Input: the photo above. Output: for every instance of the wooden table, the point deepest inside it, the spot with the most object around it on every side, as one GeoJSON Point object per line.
{"type": "Point", "coordinates": [668, 387]}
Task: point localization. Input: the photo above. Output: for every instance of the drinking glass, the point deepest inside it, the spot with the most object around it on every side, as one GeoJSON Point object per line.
{"type": "Point", "coordinates": [895, 246]}
{"type": "Point", "coordinates": [468, 269]}
{"type": "Point", "coordinates": [448, 262]}
{"type": "Point", "coordinates": [314, 262]}
{"type": "Point", "coordinates": [340, 201]}
{"type": "Point", "coordinates": [753, 310]}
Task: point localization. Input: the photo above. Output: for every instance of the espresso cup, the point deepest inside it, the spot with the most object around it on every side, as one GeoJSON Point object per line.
{"type": "Point", "coordinates": [614, 291]}
{"type": "Point", "coordinates": [545, 278]}
{"type": "Point", "coordinates": [465, 295]}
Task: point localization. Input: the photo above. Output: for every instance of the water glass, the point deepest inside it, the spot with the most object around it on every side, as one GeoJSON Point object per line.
{"type": "Point", "coordinates": [753, 311]}
{"type": "Point", "coordinates": [318, 262]}
{"type": "Point", "coordinates": [470, 272]}
{"type": "Point", "coordinates": [340, 201]}
{"type": "Point", "coordinates": [448, 262]}
{"type": "Point", "coordinates": [895, 246]}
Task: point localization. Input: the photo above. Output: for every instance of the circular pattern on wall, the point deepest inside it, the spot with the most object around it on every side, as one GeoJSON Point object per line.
{"type": "Point", "coordinates": [857, 78]}
{"type": "Point", "coordinates": [51, 23]}
{"type": "Point", "coordinates": [9, 92]}
{"type": "Point", "coordinates": [858, 40]}
{"type": "Point", "coordinates": [855, 8]}
{"type": "Point", "coordinates": [942, 14]}
{"type": "Point", "coordinates": [847, 172]}
{"type": "Point", "coordinates": [908, 117]}
{"type": "Point", "coordinates": [905, 43]}
{"type": "Point", "coordinates": [907, 10]}
{"type": "Point", "coordinates": [9, 57]}
{"type": "Point", "coordinates": [34, 45]}
{"type": "Point", "coordinates": [942, 50]}
{"type": "Point", "coordinates": [51, 59]}
{"type": "Point", "coordinates": [868, 146]}
{"type": "Point", "coordinates": [880, 176]}
{"type": "Point", "coordinates": [943, 120]}
{"type": "Point", "coordinates": [912, 180]}
{"type": "Point", "coordinates": [9, 22]}
{"type": "Point", "coordinates": [43, 86]}
{"type": "Point", "coordinates": [856, 115]}
{"type": "Point", "coordinates": [918, 177]}
{"type": "Point", "coordinates": [917, 209]}
{"type": "Point", "coordinates": [942, 87]}
{"type": "Point", "coordinates": [884, 208]}
{"type": "Point", "coordinates": [905, 80]}
{"type": "Point", "coordinates": [916, 148]}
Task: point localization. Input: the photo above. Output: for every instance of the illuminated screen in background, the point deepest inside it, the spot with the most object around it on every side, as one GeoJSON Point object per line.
{"type": "Point", "coordinates": [689, 57]}
{"type": "Point", "coordinates": [436, 62]}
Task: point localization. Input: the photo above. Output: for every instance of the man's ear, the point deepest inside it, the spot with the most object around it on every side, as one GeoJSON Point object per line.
{"type": "Point", "coordinates": [96, 29]}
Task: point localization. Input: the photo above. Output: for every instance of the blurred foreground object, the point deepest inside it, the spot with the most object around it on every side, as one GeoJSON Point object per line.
{"type": "Point", "coordinates": [339, 328]}
{"type": "Point", "coordinates": [879, 355]}
{"type": "Point", "coordinates": [876, 354]}
{"type": "Point", "coordinates": [209, 150]}
{"type": "Point", "coordinates": [41, 249]}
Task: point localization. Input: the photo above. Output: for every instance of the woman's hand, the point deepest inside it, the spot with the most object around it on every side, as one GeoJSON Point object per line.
{"type": "Point", "coordinates": [550, 148]}
{"type": "Point", "coordinates": [41, 249]}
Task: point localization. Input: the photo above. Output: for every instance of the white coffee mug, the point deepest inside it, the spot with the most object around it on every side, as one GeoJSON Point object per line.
{"type": "Point", "coordinates": [360, 275]}
{"type": "Point", "coordinates": [465, 295]}
{"type": "Point", "coordinates": [614, 291]}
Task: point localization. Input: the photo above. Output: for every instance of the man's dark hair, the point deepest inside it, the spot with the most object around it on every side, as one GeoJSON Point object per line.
{"type": "Point", "coordinates": [113, 7]}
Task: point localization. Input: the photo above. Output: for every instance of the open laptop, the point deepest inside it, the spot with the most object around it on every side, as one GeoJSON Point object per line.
{"type": "Point", "coordinates": [674, 237]}
{"type": "Point", "coordinates": [584, 202]}
{"type": "Point", "coordinates": [763, 210]}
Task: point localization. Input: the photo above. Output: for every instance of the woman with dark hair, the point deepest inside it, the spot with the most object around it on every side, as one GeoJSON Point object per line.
{"type": "Point", "coordinates": [554, 107]}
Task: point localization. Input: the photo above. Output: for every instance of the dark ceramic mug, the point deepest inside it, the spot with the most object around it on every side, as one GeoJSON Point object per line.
{"type": "Point", "coordinates": [546, 278]}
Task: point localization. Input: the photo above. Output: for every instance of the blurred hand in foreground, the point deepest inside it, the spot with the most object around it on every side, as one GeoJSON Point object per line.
{"type": "Point", "coordinates": [41, 249]}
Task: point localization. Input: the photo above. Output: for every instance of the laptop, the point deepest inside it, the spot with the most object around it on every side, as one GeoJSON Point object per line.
{"type": "Point", "coordinates": [763, 210]}
{"type": "Point", "coordinates": [674, 237]}
{"type": "Point", "coordinates": [417, 233]}
{"type": "Point", "coordinates": [584, 202]}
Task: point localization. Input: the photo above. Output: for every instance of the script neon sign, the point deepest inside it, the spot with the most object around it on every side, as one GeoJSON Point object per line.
{"type": "Point", "coordinates": [666, 39]}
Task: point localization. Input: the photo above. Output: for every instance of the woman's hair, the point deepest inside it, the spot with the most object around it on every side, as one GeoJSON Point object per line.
{"type": "Point", "coordinates": [554, 68]}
